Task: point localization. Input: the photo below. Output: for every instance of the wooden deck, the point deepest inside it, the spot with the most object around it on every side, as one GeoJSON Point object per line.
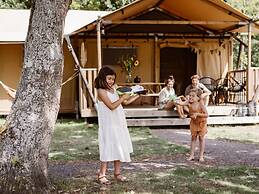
{"type": "Point", "coordinates": [151, 116]}
{"type": "Point", "coordinates": [219, 120]}
{"type": "Point", "coordinates": [218, 115]}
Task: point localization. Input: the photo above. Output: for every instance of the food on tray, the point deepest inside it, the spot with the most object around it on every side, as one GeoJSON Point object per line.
{"type": "Point", "coordinates": [124, 90]}
{"type": "Point", "coordinates": [137, 89]}
{"type": "Point", "coordinates": [141, 92]}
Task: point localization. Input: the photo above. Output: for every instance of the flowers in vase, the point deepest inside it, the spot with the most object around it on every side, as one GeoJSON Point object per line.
{"type": "Point", "coordinates": [128, 63]}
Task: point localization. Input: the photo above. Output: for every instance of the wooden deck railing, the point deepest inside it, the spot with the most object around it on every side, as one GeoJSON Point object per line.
{"type": "Point", "coordinates": [241, 77]}
{"type": "Point", "coordinates": [254, 78]}
{"type": "Point", "coordinates": [237, 79]}
{"type": "Point", "coordinates": [86, 105]}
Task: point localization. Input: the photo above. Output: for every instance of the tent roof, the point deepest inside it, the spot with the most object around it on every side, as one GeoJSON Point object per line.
{"type": "Point", "coordinates": [215, 16]}
{"type": "Point", "coordinates": [14, 23]}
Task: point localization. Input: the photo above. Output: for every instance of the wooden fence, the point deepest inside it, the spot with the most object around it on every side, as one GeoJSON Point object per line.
{"type": "Point", "coordinates": [86, 105]}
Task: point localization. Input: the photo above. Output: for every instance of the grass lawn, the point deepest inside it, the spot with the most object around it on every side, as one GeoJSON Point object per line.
{"type": "Point", "coordinates": [75, 142]}
{"type": "Point", "coordinates": [240, 133]}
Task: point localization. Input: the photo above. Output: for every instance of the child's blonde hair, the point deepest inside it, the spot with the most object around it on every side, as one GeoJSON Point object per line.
{"type": "Point", "coordinates": [197, 91]}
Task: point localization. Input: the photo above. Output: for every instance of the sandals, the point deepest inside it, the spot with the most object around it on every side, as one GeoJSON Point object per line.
{"type": "Point", "coordinates": [120, 178]}
{"type": "Point", "coordinates": [103, 180]}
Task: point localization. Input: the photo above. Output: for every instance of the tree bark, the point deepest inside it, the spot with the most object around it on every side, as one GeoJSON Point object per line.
{"type": "Point", "coordinates": [29, 126]}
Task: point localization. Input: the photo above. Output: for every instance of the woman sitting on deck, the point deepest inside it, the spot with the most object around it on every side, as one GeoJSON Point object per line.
{"type": "Point", "coordinates": [167, 98]}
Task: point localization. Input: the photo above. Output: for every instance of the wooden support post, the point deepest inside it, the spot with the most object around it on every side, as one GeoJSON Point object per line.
{"type": "Point", "coordinates": [78, 66]}
{"type": "Point", "coordinates": [239, 64]}
{"type": "Point", "coordinates": [99, 44]}
{"type": "Point", "coordinates": [83, 53]}
{"type": "Point", "coordinates": [156, 59]}
{"type": "Point", "coordinates": [249, 59]}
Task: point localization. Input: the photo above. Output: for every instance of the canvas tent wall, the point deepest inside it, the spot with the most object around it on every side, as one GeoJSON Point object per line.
{"type": "Point", "coordinates": [13, 30]}
{"type": "Point", "coordinates": [11, 67]}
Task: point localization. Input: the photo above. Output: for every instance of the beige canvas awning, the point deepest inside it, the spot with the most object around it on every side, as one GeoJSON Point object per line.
{"type": "Point", "coordinates": [204, 16]}
{"type": "Point", "coordinates": [14, 23]}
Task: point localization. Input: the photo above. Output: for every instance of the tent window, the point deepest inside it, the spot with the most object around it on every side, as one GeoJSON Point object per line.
{"type": "Point", "coordinates": [112, 55]}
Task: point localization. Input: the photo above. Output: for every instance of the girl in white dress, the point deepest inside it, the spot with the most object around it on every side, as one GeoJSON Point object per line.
{"type": "Point", "coordinates": [114, 139]}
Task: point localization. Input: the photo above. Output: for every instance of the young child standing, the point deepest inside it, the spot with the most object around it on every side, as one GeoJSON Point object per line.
{"type": "Point", "coordinates": [114, 139]}
{"type": "Point", "coordinates": [198, 124]}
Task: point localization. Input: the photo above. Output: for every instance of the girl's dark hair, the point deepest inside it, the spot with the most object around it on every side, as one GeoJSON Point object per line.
{"type": "Point", "coordinates": [100, 80]}
{"type": "Point", "coordinates": [169, 78]}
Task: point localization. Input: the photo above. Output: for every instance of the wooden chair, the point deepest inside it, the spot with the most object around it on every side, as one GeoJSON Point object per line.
{"type": "Point", "coordinates": [211, 84]}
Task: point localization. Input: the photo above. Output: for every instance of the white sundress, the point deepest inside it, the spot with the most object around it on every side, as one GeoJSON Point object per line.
{"type": "Point", "coordinates": [114, 138]}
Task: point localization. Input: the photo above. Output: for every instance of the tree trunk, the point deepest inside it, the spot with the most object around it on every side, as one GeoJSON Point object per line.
{"type": "Point", "coordinates": [29, 126]}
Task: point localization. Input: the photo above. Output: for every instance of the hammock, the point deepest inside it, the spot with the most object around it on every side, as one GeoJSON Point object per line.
{"type": "Point", "coordinates": [11, 92]}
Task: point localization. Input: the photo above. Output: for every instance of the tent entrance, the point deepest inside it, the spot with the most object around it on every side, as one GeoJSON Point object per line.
{"type": "Point", "coordinates": [179, 62]}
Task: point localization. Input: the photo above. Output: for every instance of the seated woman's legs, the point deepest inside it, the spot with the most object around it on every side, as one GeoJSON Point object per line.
{"type": "Point", "coordinates": [180, 111]}
{"type": "Point", "coordinates": [170, 105]}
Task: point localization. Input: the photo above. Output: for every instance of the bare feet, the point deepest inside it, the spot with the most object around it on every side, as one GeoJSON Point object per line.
{"type": "Point", "coordinates": [201, 159]}
{"type": "Point", "coordinates": [183, 116]}
{"type": "Point", "coordinates": [190, 158]}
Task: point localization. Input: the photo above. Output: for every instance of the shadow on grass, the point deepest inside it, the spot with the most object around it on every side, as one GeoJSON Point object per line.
{"type": "Point", "coordinates": [74, 151]}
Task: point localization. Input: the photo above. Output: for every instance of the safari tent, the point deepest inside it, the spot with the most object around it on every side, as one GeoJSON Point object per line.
{"type": "Point", "coordinates": [168, 37]}
{"type": "Point", "coordinates": [178, 37]}
{"type": "Point", "coordinates": [13, 30]}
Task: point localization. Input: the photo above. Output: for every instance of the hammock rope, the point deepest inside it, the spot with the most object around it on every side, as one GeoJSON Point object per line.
{"type": "Point", "coordinates": [11, 92]}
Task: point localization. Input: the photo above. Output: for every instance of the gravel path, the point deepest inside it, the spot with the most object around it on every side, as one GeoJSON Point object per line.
{"type": "Point", "coordinates": [217, 152]}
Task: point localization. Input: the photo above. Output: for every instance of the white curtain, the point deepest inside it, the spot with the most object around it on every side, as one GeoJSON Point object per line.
{"type": "Point", "coordinates": [214, 60]}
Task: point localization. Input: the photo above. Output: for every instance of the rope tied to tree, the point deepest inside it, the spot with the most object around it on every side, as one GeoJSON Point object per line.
{"type": "Point", "coordinates": [12, 92]}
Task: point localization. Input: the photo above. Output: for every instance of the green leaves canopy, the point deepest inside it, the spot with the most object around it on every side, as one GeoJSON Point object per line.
{"type": "Point", "coordinates": [103, 5]}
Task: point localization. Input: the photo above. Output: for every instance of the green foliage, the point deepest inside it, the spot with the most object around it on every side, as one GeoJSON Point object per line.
{"type": "Point", "coordinates": [15, 4]}
{"type": "Point", "coordinates": [103, 5]}
{"type": "Point", "coordinates": [250, 8]}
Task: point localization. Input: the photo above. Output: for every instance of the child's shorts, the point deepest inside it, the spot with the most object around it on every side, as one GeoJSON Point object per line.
{"type": "Point", "coordinates": [198, 128]}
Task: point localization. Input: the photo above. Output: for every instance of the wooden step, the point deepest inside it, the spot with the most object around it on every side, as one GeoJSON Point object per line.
{"type": "Point", "coordinates": [217, 120]}
{"type": "Point", "coordinates": [154, 112]}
